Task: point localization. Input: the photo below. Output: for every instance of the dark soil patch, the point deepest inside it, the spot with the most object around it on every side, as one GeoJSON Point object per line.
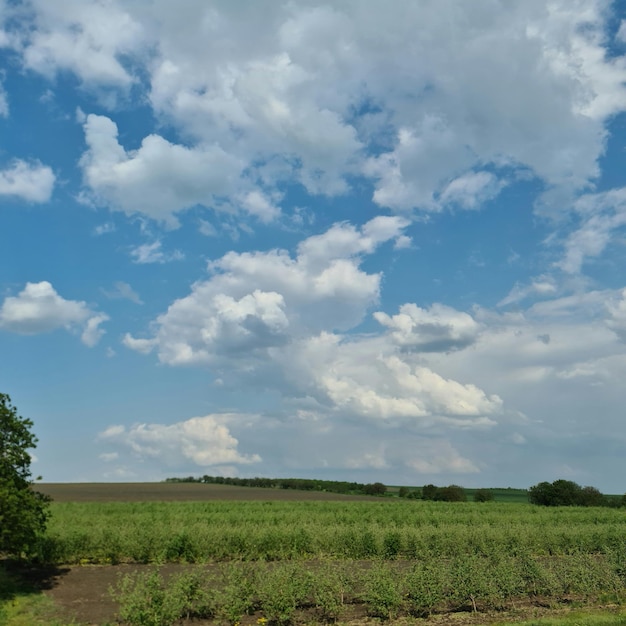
{"type": "Point", "coordinates": [182, 492]}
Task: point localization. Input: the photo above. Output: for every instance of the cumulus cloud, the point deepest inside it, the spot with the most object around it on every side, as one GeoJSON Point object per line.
{"type": "Point", "coordinates": [32, 182]}
{"type": "Point", "coordinates": [89, 39]}
{"type": "Point", "coordinates": [256, 300]}
{"type": "Point", "coordinates": [204, 441]}
{"type": "Point", "coordinates": [159, 179]}
{"type": "Point", "coordinates": [38, 308]}
{"type": "Point", "coordinates": [440, 328]}
{"type": "Point", "coordinates": [264, 316]}
{"type": "Point", "coordinates": [316, 94]}
{"type": "Point", "coordinates": [392, 389]}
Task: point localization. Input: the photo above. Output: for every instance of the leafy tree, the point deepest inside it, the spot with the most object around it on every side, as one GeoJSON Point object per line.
{"type": "Point", "coordinates": [403, 492]}
{"type": "Point", "coordinates": [429, 492]}
{"type": "Point", "coordinates": [483, 495]}
{"type": "Point", "coordinates": [590, 496]}
{"type": "Point", "coordinates": [565, 493]}
{"type": "Point", "coordinates": [375, 489]}
{"type": "Point", "coordinates": [451, 493]}
{"type": "Point", "coordinates": [541, 493]}
{"type": "Point", "coordinates": [23, 511]}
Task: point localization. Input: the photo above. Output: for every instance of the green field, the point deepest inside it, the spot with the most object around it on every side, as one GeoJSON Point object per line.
{"type": "Point", "coordinates": [158, 532]}
{"type": "Point", "coordinates": [286, 560]}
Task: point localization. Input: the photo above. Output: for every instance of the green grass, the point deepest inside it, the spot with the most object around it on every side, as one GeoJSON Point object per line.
{"type": "Point", "coordinates": [576, 618]}
{"type": "Point", "coordinates": [21, 604]}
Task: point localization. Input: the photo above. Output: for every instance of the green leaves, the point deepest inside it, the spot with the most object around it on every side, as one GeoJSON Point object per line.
{"type": "Point", "coordinates": [23, 511]}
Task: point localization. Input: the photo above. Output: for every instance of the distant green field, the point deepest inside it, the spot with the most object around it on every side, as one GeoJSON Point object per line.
{"type": "Point", "coordinates": [501, 494]}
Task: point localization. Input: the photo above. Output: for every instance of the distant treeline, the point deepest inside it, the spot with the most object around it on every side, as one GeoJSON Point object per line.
{"type": "Point", "coordinates": [301, 484]}
{"type": "Point", "coordinates": [558, 493]}
{"type": "Point", "coordinates": [452, 493]}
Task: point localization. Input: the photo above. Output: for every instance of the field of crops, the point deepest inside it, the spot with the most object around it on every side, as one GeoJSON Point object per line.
{"type": "Point", "coordinates": [165, 554]}
{"type": "Point", "coordinates": [158, 532]}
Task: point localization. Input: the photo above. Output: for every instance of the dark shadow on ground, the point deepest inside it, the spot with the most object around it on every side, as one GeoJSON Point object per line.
{"type": "Point", "coordinates": [18, 578]}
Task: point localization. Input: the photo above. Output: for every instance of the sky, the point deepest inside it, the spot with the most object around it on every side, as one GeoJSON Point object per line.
{"type": "Point", "coordinates": [351, 240]}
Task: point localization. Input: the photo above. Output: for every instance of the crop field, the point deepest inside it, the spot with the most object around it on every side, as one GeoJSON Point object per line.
{"type": "Point", "coordinates": [154, 550]}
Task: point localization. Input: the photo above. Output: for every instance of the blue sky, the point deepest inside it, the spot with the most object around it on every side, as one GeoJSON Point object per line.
{"type": "Point", "coordinates": [346, 240]}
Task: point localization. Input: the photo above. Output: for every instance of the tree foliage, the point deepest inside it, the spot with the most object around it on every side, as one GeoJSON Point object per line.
{"type": "Point", "coordinates": [375, 489]}
{"type": "Point", "coordinates": [565, 493]}
{"type": "Point", "coordinates": [23, 511]}
{"type": "Point", "coordinates": [451, 493]}
{"type": "Point", "coordinates": [483, 495]}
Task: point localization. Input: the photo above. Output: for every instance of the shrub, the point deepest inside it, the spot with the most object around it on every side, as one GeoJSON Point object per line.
{"type": "Point", "coordinates": [483, 495]}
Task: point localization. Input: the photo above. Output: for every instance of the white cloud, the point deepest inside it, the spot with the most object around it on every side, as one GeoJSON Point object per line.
{"type": "Point", "coordinates": [144, 346]}
{"type": "Point", "coordinates": [471, 190]}
{"type": "Point", "coordinates": [152, 253]}
{"type": "Point", "coordinates": [320, 94]}
{"type": "Point", "coordinates": [257, 204]}
{"type": "Point", "coordinates": [123, 290]}
{"type": "Point", "coordinates": [159, 179]}
{"type": "Point", "coordinates": [107, 457]}
{"type": "Point", "coordinates": [92, 333]}
{"type": "Point", "coordinates": [600, 215]}
{"type": "Point", "coordinates": [440, 457]}
{"type": "Point", "coordinates": [207, 229]}
{"type": "Point", "coordinates": [375, 460]}
{"type": "Point", "coordinates": [38, 308]}
{"type": "Point", "coordinates": [33, 182]}
{"type": "Point", "coordinates": [254, 298]}
{"type": "Point", "coordinates": [316, 94]}
{"type": "Point", "coordinates": [89, 39]}
{"type": "Point", "coordinates": [204, 441]}
{"type": "Point", "coordinates": [262, 316]}
{"type": "Point", "coordinates": [617, 314]}
{"type": "Point", "coordinates": [542, 287]}
{"type": "Point", "coordinates": [392, 389]}
{"type": "Point", "coordinates": [440, 328]}
{"type": "Point", "coordinates": [104, 229]}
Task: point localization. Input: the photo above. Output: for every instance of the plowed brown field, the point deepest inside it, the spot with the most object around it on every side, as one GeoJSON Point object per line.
{"type": "Point", "coordinates": [168, 492]}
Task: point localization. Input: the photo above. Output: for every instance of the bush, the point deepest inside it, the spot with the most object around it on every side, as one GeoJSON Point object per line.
{"type": "Point", "coordinates": [429, 492]}
{"type": "Point", "coordinates": [452, 493]}
{"type": "Point", "coordinates": [483, 495]}
{"type": "Point", "coordinates": [375, 489]}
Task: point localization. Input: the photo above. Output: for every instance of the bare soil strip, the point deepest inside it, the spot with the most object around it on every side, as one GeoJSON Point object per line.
{"type": "Point", "coordinates": [181, 492]}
